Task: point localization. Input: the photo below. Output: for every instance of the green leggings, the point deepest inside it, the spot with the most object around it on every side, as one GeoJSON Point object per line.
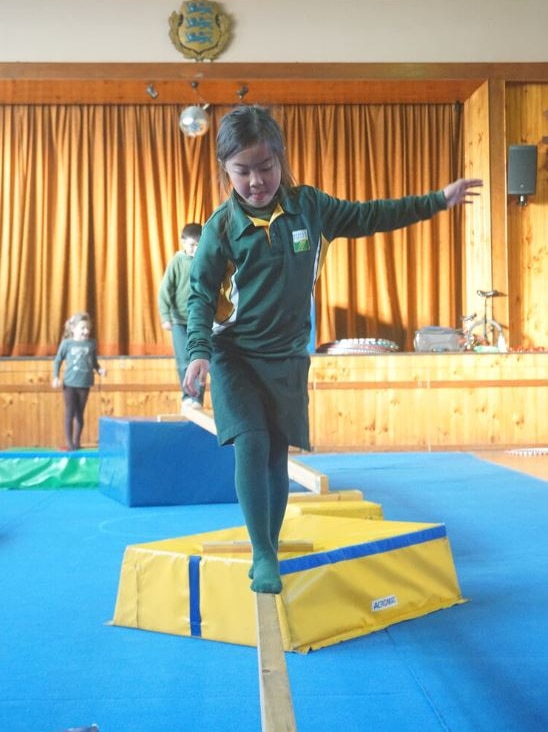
{"type": "Point", "coordinates": [262, 486]}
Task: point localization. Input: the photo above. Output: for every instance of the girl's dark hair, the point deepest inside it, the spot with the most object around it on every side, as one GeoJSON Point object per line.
{"type": "Point", "coordinates": [244, 127]}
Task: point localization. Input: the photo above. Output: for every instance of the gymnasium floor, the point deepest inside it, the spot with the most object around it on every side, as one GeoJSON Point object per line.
{"type": "Point", "coordinates": [476, 667]}
{"type": "Point", "coordinates": [532, 461]}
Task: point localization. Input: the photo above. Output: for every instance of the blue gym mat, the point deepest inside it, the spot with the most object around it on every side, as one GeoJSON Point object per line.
{"type": "Point", "coordinates": [476, 667]}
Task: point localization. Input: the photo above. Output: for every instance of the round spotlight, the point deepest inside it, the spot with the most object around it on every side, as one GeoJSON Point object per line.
{"type": "Point", "coordinates": [194, 121]}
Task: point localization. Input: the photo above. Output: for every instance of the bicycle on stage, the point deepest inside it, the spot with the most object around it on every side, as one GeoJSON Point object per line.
{"type": "Point", "coordinates": [483, 334]}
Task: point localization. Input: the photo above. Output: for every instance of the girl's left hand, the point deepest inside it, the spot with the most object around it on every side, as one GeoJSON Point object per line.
{"type": "Point", "coordinates": [460, 191]}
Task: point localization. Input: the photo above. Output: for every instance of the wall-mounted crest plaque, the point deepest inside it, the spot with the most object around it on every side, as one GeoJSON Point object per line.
{"type": "Point", "coordinates": [200, 30]}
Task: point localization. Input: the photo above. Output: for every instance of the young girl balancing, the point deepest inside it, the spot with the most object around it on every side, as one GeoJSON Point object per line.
{"type": "Point", "coordinates": [252, 282]}
{"type": "Point", "coordinates": [80, 354]}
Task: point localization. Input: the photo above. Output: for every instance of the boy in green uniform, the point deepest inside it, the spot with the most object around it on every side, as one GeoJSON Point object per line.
{"type": "Point", "coordinates": [172, 302]}
{"type": "Point", "coordinates": [252, 283]}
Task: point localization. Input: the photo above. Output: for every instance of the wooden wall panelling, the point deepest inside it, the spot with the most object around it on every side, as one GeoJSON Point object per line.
{"type": "Point", "coordinates": [497, 166]}
{"type": "Point", "coordinates": [381, 402]}
{"type": "Point", "coordinates": [219, 83]}
{"type": "Point", "coordinates": [32, 411]}
{"type": "Point", "coordinates": [272, 83]}
{"type": "Point", "coordinates": [477, 257]}
{"type": "Point", "coordinates": [428, 401]}
{"type": "Point", "coordinates": [527, 123]}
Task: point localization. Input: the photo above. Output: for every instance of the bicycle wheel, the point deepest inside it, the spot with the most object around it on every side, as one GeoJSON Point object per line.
{"type": "Point", "coordinates": [486, 336]}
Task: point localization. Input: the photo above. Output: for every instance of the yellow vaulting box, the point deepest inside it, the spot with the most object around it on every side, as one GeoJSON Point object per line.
{"type": "Point", "coordinates": [359, 576]}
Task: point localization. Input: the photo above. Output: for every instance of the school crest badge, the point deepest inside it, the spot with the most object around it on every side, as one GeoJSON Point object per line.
{"type": "Point", "coordinates": [200, 30]}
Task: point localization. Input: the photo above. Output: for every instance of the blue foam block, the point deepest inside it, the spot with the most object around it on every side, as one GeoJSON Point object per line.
{"type": "Point", "coordinates": [148, 463]}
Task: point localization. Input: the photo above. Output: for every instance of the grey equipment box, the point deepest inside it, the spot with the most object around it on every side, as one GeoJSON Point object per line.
{"type": "Point", "coordinates": [437, 339]}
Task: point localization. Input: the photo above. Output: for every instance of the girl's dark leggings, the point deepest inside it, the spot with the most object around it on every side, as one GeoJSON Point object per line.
{"type": "Point", "coordinates": [75, 405]}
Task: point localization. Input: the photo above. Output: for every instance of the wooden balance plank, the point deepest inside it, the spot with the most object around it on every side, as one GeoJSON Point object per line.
{"type": "Point", "coordinates": [201, 417]}
{"type": "Point", "coordinates": [277, 713]}
{"type": "Point", "coordinates": [345, 495]}
{"type": "Point", "coordinates": [244, 547]}
{"type": "Point", "coordinates": [170, 418]}
{"type": "Point", "coordinates": [275, 694]}
{"type": "Point", "coordinates": [309, 478]}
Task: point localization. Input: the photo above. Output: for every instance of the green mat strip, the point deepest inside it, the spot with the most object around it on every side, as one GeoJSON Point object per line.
{"type": "Point", "coordinates": [19, 470]}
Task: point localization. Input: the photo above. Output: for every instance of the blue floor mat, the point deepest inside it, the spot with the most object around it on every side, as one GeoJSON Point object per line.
{"type": "Point", "coordinates": [475, 667]}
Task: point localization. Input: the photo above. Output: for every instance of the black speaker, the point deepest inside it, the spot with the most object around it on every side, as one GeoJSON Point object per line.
{"type": "Point", "coordinates": [522, 170]}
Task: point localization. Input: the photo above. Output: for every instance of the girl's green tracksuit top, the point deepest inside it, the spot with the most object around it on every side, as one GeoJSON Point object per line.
{"type": "Point", "coordinates": [252, 281]}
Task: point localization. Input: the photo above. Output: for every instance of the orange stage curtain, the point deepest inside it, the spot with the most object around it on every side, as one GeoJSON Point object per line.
{"type": "Point", "coordinates": [388, 285]}
{"type": "Point", "coordinates": [92, 199]}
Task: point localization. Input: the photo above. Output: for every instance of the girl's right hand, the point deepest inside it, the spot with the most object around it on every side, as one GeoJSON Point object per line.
{"type": "Point", "coordinates": [196, 374]}
{"type": "Point", "coordinates": [56, 382]}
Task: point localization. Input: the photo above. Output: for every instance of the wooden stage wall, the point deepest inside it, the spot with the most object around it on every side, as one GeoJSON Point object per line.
{"type": "Point", "coordinates": [406, 401]}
